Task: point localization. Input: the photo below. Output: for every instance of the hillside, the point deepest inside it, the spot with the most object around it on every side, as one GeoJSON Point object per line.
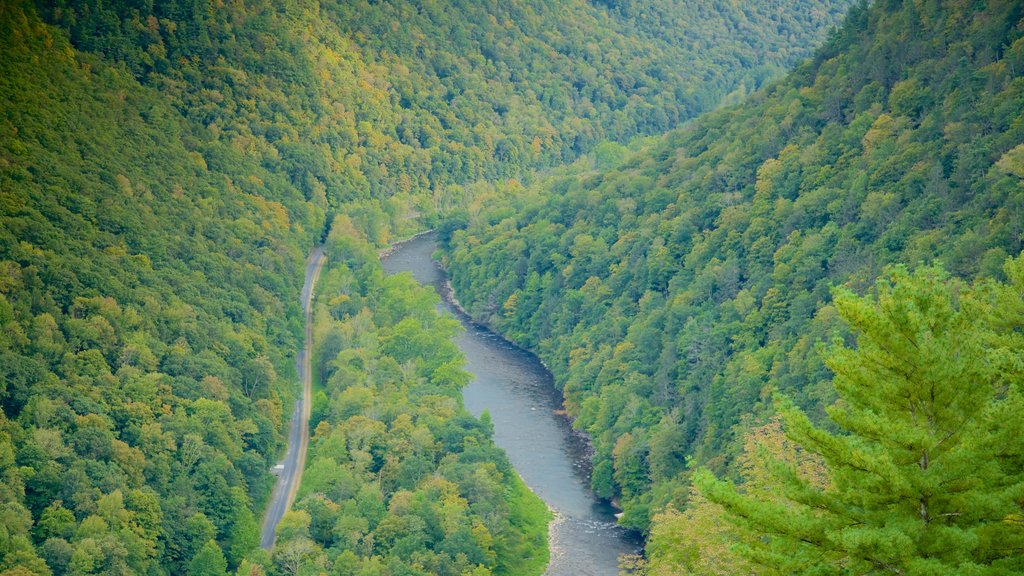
{"type": "Point", "coordinates": [674, 291]}
{"type": "Point", "coordinates": [164, 169]}
{"type": "Point", "coordinates": [358, 100]}
{"type": "Point", "coordinates": [149, 313]}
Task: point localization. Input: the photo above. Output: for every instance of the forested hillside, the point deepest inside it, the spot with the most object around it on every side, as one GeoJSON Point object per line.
{"type": "Point", "coordinates": [373, 100]}
{"type": "Point", "coordinates": [148, 304]}
{"type": "Point", "coordinates": [149, 312]}
{"type": "Point", "coordinates": [675, 291]}
{"type": "Point", "coordinates": [401, 479]}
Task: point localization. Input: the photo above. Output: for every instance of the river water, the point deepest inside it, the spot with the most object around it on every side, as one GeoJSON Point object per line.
{"type": "Point", "coordinates": [553, 460]}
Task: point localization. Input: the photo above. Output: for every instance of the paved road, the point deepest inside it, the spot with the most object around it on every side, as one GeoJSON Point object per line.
{"type": "Point", "coordinates": [298, 437]}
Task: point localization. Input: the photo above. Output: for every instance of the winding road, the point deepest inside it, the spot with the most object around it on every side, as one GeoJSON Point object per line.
{"type": "Point", "coordinates": [298, 438]}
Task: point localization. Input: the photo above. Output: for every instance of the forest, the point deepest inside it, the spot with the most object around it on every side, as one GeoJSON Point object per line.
{"type": "Point", "coordinates": [165, 167]}
{"type": "Point", "coordinates": [682, 295]}
{"type": "Point", "coordinates": [365, 100]}
{"type": "Point", "coordinates": [400, 478]}
{"type": "Point", "coordinates": [739, 276]}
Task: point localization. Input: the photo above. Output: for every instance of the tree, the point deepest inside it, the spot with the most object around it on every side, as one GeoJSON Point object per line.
{"type": "Point", "coordinates": [209, 561]}
{"type": "Point", "coordinates": [257, 374]}
{"type": "Point", "coordinates": [56, 521]}
{"type": "Point", "coordinates": [184, 538]}
{"type": "Point", "coordinates": [928, 478]}
{"type": "Point", "coordinates": [696, 541]}
{"type": "Point", "coordinates": [294, 524]}
{"type": "Point", "coordinates": [244, 532]}
{"type": "Point", "coordinates": [294, 554]}
{"type": "Point", "coordinates": [247, 568]}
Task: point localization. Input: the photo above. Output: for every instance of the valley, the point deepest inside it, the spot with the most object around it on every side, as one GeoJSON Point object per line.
{"type": "Point", "coordinates": [719, 288]}
{"type": "Point", "coordinates": [519, 397]}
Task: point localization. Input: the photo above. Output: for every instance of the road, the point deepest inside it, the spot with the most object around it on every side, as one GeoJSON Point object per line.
{"type": "Point", "coordinates": [298, 437]}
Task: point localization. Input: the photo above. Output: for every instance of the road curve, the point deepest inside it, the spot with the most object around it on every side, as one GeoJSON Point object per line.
{"type": "Point", "coordinates": [298, 437]}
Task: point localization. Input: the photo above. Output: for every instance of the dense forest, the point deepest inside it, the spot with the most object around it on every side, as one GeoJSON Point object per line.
{"type": "Point", "coordinates": [679, 292]}
{"type": "Point", "coordinates": [400, 478]}
{"type": "Point", "coordinates": [164, 169]}
{"type": "Point", "coordinates": [801, 314]}
{"type": "Point", "coordinates": [148, 312]}
{"type": "Point", "coordinates": [357, 100]}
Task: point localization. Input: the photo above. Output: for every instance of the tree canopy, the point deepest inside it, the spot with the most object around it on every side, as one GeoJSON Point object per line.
{"type": "Point", "coordinates": [166, 166]}
{"type": "Point", "coordinates": [927, 469]}
{"type": "Point", "coordinates": [673, 288]}
{"type": "Point", "coordinates": [359, 100]}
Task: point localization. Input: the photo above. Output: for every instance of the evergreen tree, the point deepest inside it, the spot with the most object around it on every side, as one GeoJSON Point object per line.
{"type": "Point", "coordinates": [928, 479]}
{"type": "Point", "coordinates": [695, 541]}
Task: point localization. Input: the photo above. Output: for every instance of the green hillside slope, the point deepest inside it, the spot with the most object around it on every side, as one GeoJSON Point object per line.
{"type": "Point", "coordinates": [672, 294]}
{"type": "Point", "coordinates": [148, 324]}
{"type": "Point", "coordinates": [164, 169]}
{"type": "Point", "coordinates": [149, 312]}
{"type": "Point", "coordinates": [361, 100]}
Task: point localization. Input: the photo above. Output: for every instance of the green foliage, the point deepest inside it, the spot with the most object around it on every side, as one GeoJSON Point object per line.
{"type": "Point", "coordinates": [209, 561]}
{"type": "Point", "coordinates": [927, 476]}
{"type": "Point", "coordinates": [147, 316]}
{"type": "Point", "coordinates": [373, 100]}
{"type": "Point", "coordinates": [697, 541]}
{"type": "Point", "coordinates": [528, 516]}
{"type": "Point", "coordinates": [667, 295]}
{"type": "Point", "coordinates": [399, 474]}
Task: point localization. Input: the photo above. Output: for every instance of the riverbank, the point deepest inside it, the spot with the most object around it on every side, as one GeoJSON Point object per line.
{"type": "Point", "coordinates": [391, 248]}
{"type": "Point", "coordinates": [552, 458]}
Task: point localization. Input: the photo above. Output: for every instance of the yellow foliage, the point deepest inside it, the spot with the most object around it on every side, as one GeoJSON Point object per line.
{"type": "Point", "coordinates": [510, 304]}
{"type": "Point", "coordinates": [1012, 162]}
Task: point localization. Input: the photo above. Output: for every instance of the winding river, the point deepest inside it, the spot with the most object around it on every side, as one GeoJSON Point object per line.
{"type": "Point", "coordinates": [553, 460]}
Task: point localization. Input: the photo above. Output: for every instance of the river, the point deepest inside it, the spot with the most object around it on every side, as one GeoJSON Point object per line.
{"type": "Point", "coordinates": [553, 460]}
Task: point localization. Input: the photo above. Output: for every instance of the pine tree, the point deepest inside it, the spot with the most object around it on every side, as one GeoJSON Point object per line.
{"type": "Point", "coordinates": [695, 541]}
{"type": "Point", "coordinates": [928, 476]}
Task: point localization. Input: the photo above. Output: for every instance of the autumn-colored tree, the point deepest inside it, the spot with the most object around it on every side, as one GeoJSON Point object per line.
{"type": "Point", "coordinates": [696, 541]}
